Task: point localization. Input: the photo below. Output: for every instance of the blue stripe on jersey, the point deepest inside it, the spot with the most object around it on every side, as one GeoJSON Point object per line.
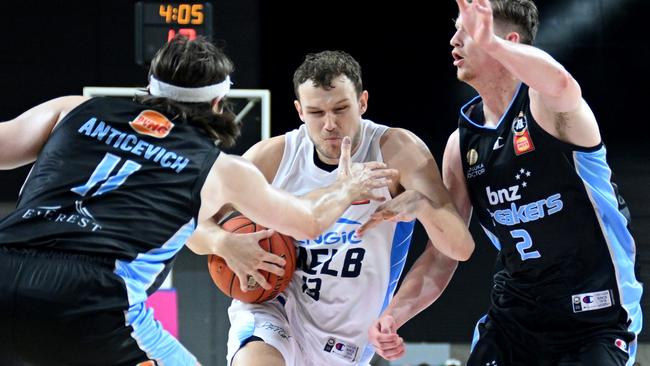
{"type": "Point", "coordinates": [595, 173]}
{"type": "Point", "coordinates": [343, 220]}
{"type": "Point", "coordinates": [493, 238]}
{"type": "Point", "coordinates": [477, 335]}
{"type": "Point", "coordinates": [466, 106]}
{"type": "Point", "coordinates": [247, 328]}
{"type": "Point", "coordinates": [399, 251]}
{"type": "Point", "coordinates": [138, 275]}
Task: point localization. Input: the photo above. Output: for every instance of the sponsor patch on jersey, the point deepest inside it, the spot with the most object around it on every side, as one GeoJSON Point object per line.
{"type": "Point", "coordinates": [152, 123]}
{"type": "Point", "coordinates": [522, 141]}
{"type": "Point", "coordinates": [472, 157]}
{"type": "Point", "coordinates": [591, 301]}
{"type": "Point", "coordinates": [344, 350]}
{"type": "Point", "coordinates": [148, 363]}
{"type": "Point", "coordinates": [621, 344]}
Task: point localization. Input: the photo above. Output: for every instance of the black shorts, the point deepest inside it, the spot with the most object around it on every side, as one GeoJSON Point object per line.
{"type": "Point", "coordinates": [69, 309]}
{"type": "Point", "coordinates": [525, 335]}
{"type": "Point", "coordinates": [496, 347]}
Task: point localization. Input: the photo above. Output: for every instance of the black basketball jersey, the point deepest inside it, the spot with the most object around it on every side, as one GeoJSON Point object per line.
{"type": "Point", "coordinates": [551, 209]}
{"type": "Point", "coordinates": [117, 179]}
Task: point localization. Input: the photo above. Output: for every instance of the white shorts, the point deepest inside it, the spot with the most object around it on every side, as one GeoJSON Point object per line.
{"type": "Point", "coordinates": [267, 321]}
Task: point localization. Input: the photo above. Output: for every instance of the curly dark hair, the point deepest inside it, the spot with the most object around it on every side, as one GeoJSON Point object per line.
{"type": "Point", "coordinates": [321, 68]}
{"type": "Point", "coordinates": [194, 63]}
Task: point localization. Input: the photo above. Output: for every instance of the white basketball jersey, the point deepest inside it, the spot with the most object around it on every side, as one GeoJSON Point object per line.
{"type": "Point", "coordinates": [342, 282]}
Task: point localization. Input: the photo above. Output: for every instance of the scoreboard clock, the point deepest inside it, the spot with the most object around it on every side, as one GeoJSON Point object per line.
{"type": "Point", "coordinates": [158, 22]}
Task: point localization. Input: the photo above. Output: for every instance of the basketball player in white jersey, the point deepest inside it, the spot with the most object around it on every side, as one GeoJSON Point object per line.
{"type": "Point", "coordinates": [343, 281]}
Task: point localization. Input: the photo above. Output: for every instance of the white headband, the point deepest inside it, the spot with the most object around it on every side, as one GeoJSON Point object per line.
{"type": "Point", "coordinates": [201, 94]}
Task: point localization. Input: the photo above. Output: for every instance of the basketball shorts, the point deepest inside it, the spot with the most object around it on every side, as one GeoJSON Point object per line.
{"type": "Point", "coordinates": [70, 309]}
{"type": "Point", "coordinates": [507, 337]}
{"type": "Point", "coordinates": [268, 322]}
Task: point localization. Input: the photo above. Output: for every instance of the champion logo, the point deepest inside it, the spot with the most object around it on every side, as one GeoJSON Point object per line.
{"type": "Point", "coordinates": [152, 123]}
{"type": "Point", "coordinates": [621, 344]}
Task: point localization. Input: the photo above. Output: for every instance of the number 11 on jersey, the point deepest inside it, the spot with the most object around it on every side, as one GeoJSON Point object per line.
{"type": "Point", "coordinates": [103, 172]}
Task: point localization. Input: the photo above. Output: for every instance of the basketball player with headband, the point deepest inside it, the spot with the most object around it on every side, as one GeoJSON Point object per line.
{"type": "Point", "coordinates": [116, 189]}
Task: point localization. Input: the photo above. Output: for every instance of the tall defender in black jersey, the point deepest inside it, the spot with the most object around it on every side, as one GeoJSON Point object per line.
{"type": "Point", "coordinates": [116, 190]}
{"type": "Point", "coordinates": [529, 158]}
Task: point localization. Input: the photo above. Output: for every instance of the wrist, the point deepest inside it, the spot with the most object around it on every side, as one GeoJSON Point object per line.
{"type": "Point", "coordinates": [493, 45]}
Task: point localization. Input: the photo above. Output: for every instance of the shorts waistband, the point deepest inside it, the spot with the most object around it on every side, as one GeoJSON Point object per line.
{"type": "Point", "coordinates": [48, 253]}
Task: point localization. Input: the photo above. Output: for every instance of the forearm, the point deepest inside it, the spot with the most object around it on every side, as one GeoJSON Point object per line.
{"type": "Point", "coordinates": [208, 238]}
{"type": "Point", "coordinates": [447, 229]}
{"type": "Point", "coordinates": [423, 285]}
{"type": "Point", "coordinates": [327, 205]}
{"type": "Point", "coordinates": [535, 68]}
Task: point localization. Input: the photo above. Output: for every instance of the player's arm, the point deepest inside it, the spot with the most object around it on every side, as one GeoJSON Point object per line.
{"type": "Point", "coordinates": [423, 284]}
{"type": "Point", "coordinates": [236, 181]}
{"type": "Point", "coordinates": [425, 198]}
{"type": "Point", "coordinates": [242, 252]}
{"type": "Point", "coordinates": [556, 97]}
{"type": "Point", "coordinates": [429, 275]}
{"type": "Point", "coordinates": [23, 137]}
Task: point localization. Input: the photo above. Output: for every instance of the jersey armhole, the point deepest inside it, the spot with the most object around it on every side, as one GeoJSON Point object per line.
{"type": "Point", "coordinates": [73, 111]}
{"type": "Point", "coordinates": [205, 167]}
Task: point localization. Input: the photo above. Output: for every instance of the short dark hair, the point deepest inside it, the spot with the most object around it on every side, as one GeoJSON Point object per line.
{"type": "Point", "coordinates": [191, 64]}
{"type": "Point", "coordinates": [321, 68]}
{"type": "Point", "coordinates": [521, 13]}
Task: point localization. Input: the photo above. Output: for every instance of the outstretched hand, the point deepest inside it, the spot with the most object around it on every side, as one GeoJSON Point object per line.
{"type": "Point", "coordinates": [383, 336]}
{"type": "Point", "coordinates": [360, 179]}
{"type": "Point", "coordinates": [404, 207]}
{"type": "Point", "coordinates": [476, 19]}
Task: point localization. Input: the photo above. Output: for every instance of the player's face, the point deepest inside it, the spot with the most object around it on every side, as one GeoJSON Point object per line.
{"type": "Point", "coordinates": [468, 58]}
{"type": "Point", "coordinates": [330, 115]}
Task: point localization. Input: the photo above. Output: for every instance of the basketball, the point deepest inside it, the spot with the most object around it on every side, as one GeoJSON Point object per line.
{"type": "Point", "coordinates": [228, 282]}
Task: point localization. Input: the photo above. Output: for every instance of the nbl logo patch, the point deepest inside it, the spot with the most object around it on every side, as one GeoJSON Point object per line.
{"type": "Point", "coordinates": [522, 141]}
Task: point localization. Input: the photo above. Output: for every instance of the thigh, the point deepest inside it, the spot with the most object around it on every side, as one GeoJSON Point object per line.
{"type": "Point", "coordinates": [73, 310]}
{"type": "Point", "coordinates": [609, 350]}
{"type": "Point", "coordinates": [490, 348]}
{"type": "Point", "coordinates": [504, 343]}
{"type": "Point", "coordinates": [252, 324]}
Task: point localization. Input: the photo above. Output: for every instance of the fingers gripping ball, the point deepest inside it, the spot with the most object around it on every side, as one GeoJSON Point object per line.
{"type": "Point", "coordinates": [228, 282]}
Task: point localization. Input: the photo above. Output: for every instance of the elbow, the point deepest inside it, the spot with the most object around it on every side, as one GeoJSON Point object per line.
{"type": "Point", "coordinates": [466, 248]}
{"type": "Point", "coordinates": [566, 86]}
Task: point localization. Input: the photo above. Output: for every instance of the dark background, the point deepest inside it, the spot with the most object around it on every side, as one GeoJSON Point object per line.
{"type": "Point", "coordinates": [56, 49]}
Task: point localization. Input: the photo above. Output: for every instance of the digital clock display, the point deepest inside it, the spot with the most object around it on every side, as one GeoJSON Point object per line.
{"type": "Point", "coordinates": [158, 22]}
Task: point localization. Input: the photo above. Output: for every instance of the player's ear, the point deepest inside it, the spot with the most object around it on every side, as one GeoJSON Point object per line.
{"type": "Point", "coordinates": [296, 103]}
{"type": "Point", "coordinates": [217, 107]}
{"type": "Point", "coordinates": [513, 37]}
{"type": "Point", "coordinates": [363, 102]}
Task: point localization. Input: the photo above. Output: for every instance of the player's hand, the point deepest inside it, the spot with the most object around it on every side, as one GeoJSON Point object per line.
{"type": "Point", "coordinates": [477, 20]}
{"type": "Point", "coordinates": [404, 207]}
{"type": "Point", "coordinates": [245, 257]}
{"type": "Point", "coordinates": [382, 334]}
{"type": "Point", "coordinates": [361, 179]}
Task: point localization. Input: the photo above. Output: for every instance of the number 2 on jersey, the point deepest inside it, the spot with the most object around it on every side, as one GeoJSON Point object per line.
{"type": "Point", "coordinates": [103, 172]}
{"type": "Point", "coordinates": [525, 243]}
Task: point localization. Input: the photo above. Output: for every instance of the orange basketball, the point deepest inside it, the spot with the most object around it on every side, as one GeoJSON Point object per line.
{"type": "Point", "coordinates": [228, 282]}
